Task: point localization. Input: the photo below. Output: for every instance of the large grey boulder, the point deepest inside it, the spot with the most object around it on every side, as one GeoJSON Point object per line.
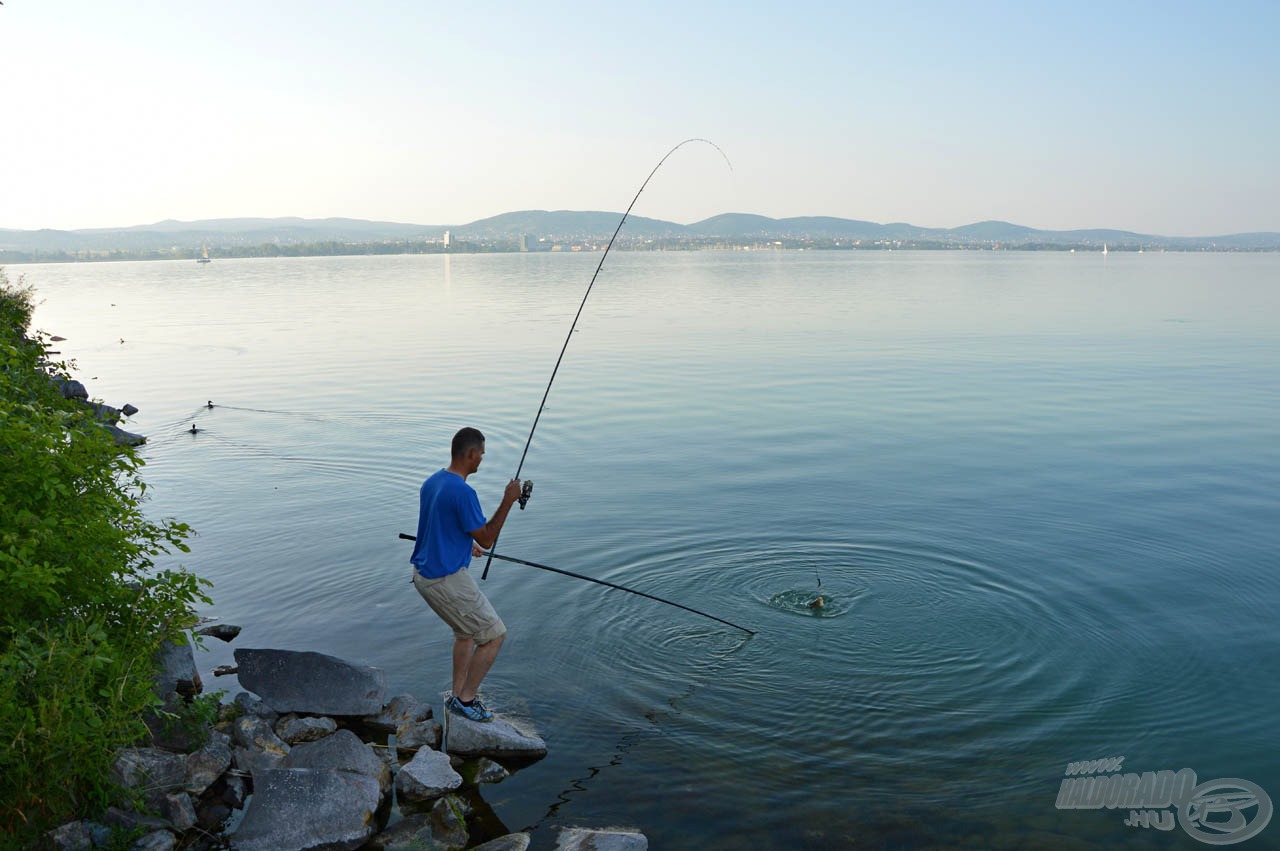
{"type": "Point", "coordinates": [177, 670]}
{"type": "Point", "coordinates": [342, 751]}
{"type": "Point", "coordinates": [601, 839]}
{"type": "Point", "coordinates": [311, 683]}
{"type": "Point", "coordinates": [510, 842]}
{"type": "Point", "coordinates": [307, 809]}
{"type": "Point", "coordinates": [496, 738]}
{"type": "Point", "coordinates": [428, 775]}
{"type": "Point", "coordinates": [444, 826]}
{"type": "Point", "coordinates": [150, 772]}
{"type": "Point", "coordinates": [295, 730]}
{"type": "Point", "coordinates": [206, 765]}
{"type": "Point", "coordinates": [400, 709]}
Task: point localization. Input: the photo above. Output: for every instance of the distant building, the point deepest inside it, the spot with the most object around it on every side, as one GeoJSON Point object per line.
{"type": "Point", "coordinates": [448, 239]}
{"type": "Point", "coordinates": [524, 242]}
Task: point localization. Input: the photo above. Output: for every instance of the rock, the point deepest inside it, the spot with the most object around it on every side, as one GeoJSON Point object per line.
{"type": "Point", "coordinates": [206, 765]}
{"type": "Point", "coordinates": [178, 672]}
{"type": "Point", "coordinates": [100, 834]}
{"type": "Point", "coordinates": [127, 438]}
{"type": "Point", "coordinates": [485, 770]}
{"type": "Point", "coordinates": [159, 840]}
{"type": "Point", "coordinates": [305, 808]}
{"type": "Point", "coordinates": [342, 751]}
{"type": "Point", "coordinates": [128, 410]}
{"type": "Point", "coordinates": [510, 842]}
{"type": "Point", "coordinates": [443, 827]}
{"type": "Point", "coordinates": [130, 820]}
{"type": "Point", "coordinates": [237, 789]}
{"type": "Point", "coordinates": [412, 736]}
{"type": "Point", "coordinates": [428, 775]}
{"type": "Point", "coordinates": [72, 836]}
{"type": "Point", "coordinates": [249, 704]}
{"type": "Point", "coordinates": [496, 738]}
{"type": "Point", "coordinates": [176, 809]}
{"type": "Point", "coordinates": [293, 729]}
{"type": "Point", "coordinates": [212, 815]}
{"type": "Point", "coordinates": [291, 681]}
{"type": "Point", "coordinates": [223, 631]}
{"type": "Point", "coordinates": [104, 413]}
{"type": "Point", "coordinates": [256, 733]}
{"type": "Point", "coordinates": [601, 839]}
{"type": "Point", "coordinates": [174, 733]}
{"type": "Point", "coordinates": [149, 771]}
{"type": "Point", "coordinates": [72, 389]}
{"type": "Point", "coordinates": [401, 708]}
{"type": "Point", "coordinates": [257, 745]}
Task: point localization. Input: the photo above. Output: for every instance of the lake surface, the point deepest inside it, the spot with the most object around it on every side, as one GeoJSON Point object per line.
{"type": "Point", "coordinates": [1039, 492]}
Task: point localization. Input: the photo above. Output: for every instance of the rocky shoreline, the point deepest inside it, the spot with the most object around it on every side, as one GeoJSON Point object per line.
{"type": "Point", "coordinates": [315, 757]}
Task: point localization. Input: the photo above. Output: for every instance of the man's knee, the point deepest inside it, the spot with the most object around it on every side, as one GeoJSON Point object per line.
{"type": "Point", "coordinates": [493, 643]}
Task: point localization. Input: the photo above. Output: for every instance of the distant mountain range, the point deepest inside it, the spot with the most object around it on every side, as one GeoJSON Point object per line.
{"type": "Point", "coordinates": [571, 225]}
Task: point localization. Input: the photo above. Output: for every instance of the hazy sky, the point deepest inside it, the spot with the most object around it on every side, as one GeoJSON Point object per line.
{"type": "Point", "coordinates": [1156, 117]}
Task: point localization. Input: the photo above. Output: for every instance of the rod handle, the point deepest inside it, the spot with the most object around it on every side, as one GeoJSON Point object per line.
{"type": "Point", "coordinates": [407, 537]}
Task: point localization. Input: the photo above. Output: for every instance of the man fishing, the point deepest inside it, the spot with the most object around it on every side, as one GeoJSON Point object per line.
{"type": "Point", "coordinates": [451, 531]}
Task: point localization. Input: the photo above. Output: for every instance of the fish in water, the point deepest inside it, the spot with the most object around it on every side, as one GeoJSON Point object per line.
{"type": "Point", "coordinates": [817, 603]}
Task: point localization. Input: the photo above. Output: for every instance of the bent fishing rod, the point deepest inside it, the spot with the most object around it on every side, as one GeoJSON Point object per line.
{"type": "Point", "coordinates": [529, 486]}
{"type": "Point", "coordinates": [493, 555]}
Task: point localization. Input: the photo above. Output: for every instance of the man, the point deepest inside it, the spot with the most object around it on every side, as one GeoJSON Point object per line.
{"type": "Point", "coordinates": [451, 530]}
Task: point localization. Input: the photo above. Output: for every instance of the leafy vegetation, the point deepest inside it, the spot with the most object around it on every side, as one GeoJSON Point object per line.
{"type": "Point", "coordinates": [82, 607]}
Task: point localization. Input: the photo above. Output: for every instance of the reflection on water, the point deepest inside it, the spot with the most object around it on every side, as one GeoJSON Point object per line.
{"type": "Point", "coordinates": [1040, 513]}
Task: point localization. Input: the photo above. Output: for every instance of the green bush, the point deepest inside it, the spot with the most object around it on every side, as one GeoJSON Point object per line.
{"type": "Point", "coordinates": [82, 608]}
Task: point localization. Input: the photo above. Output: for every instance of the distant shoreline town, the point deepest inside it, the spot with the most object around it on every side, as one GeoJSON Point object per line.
{"type": "Point", "coordinates": [534, 231]}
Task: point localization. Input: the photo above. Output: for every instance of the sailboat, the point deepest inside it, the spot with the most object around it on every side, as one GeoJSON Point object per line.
{"type": "Point", "coordinates": [205, 257]}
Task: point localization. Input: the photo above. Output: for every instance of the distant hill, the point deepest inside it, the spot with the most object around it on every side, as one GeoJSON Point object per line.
{"type": "Point", "coordinates": [571, 224]}
{"type": "Point", "coordinates": [574, 225]}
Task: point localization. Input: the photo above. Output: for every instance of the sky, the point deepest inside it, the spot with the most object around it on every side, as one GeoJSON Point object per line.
{"type": "Point", "coordinates": [1154, 117]}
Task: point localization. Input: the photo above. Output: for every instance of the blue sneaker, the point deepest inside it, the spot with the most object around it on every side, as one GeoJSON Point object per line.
{"type": "Point", "coordinates": [477, 711]}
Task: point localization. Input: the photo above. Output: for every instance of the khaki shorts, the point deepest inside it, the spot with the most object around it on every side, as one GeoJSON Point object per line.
{"type": "Point", "coordinates": [460, 603]}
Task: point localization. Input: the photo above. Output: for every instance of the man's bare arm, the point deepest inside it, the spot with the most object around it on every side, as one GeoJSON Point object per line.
{"type": "Point", "coordinates": [487, 535]}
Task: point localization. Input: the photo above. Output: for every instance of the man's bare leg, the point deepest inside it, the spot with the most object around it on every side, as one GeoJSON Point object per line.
{"type": "Point", "coordinates": [463, 648]}
{"type": "Point", "coordinates": [480, 662]}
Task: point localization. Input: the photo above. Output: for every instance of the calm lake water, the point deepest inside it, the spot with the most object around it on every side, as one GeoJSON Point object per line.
{"type": "Point", "coordinates": [1039, 491]}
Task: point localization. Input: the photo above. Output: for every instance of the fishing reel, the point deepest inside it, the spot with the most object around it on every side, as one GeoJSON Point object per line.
{"type": "Point", "coordinates": [526, 490]}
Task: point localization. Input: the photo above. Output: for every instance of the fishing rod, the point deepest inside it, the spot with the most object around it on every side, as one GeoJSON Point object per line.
{"type": "Point", "coordinates": [569, 336]}
{"type": "Point", "coordinates": [493, 555]}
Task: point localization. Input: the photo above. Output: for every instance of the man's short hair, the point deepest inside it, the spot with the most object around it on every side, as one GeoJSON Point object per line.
{"type": "Point", "coordinates": [465, 440]}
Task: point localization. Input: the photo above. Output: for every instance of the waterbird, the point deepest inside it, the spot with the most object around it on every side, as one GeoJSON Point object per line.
{"type": "Point", "coordinates": [193, 429]}
{"type": "Point", "coordinates": [209, 404]}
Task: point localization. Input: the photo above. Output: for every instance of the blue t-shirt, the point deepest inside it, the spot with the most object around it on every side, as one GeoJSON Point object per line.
{"type": "Point", "coordinates": [449, 512]}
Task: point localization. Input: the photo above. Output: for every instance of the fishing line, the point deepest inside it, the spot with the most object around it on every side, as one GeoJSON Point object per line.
{"type": "Point", "coordinates": [513, 560]}
{"type": "Point", "coordinates": [622, 748]}
{"type": "Point", "coordinates": [569, 336]}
